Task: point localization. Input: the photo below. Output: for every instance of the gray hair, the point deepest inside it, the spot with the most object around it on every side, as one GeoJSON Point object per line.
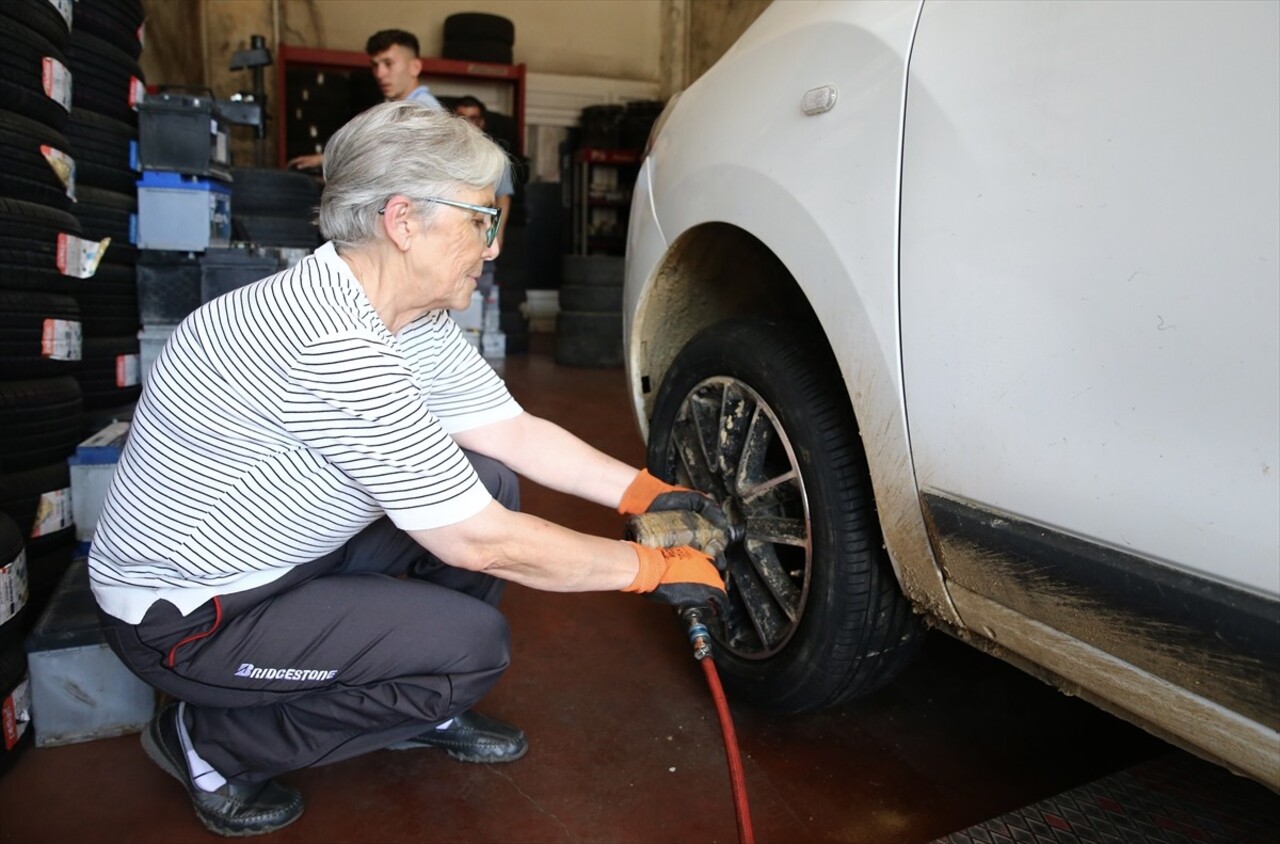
{"type": "Point", "coordinates": [400, 147]}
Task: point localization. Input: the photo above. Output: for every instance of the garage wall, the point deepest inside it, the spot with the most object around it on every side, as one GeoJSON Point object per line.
{"type": "Point", "coordinates": [713, 26]}
{"type": "Point", "coordinates": [603, 38]}
{"type": "Point", "coordinates": [669, 42]}
{"type": "Point", "coordinates": [649, 47]}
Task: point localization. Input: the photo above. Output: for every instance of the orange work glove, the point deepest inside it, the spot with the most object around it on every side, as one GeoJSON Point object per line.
{"type": "Point", "coordinates": [683, 576]}
{"type": "Point", "coordinates": [647, 494]}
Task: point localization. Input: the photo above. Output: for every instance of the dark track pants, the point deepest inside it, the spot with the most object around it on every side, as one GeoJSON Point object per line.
{"type": "Point", "coordinates": [337, 658]}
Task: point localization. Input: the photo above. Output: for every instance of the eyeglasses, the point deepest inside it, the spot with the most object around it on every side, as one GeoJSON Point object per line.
{"type": "Point", "coordinates": [495, 214]}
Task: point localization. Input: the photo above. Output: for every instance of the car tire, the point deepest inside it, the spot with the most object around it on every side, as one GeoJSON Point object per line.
{"type": "Point", "coordinates": [755, 414]}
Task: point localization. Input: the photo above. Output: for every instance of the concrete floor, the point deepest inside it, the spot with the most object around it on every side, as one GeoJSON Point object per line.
{"type": "Point", "coordinates": [625, 746]}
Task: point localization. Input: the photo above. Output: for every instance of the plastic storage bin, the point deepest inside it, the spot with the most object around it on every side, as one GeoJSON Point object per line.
{"type": "Point", "coordinates": [173, 284]}
{"type": "Point", "coordinates": [79, 688]}
{"type": "Point", "coordinates": [183, 213]}
{"type": "Point", "coordinates": [183, 133]}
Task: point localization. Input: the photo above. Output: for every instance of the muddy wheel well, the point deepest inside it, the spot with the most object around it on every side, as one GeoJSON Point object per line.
{"type": "Point", "coordinates": [711, 273]}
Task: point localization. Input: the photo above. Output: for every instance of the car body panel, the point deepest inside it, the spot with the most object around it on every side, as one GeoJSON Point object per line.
{"type": "Point", "coordinates": [1083, 350]}
{"type": "Point", "coordinates": [1105, 347]}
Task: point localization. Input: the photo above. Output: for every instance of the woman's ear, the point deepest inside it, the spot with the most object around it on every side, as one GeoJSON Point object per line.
{"type": "Point", "coordinates": [398, 221]}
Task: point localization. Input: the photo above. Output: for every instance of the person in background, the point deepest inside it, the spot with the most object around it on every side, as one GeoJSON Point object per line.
{"type": "Point", "coordinates": [308, 532]}
{"type": "Point", "coordinates": [397, 66]}
{"type": "Point", "coordinates": [475, 112]}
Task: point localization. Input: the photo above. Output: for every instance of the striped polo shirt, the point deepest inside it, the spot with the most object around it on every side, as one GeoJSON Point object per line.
{"type": "Point", "coordinates": [278, 421]}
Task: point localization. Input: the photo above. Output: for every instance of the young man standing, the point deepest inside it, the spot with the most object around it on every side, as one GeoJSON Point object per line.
{"type": "Point", "coordinates": [396, 64]}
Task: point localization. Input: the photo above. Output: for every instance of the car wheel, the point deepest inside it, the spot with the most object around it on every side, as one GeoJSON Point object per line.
{"type": "Point", "coordinates": [753, 414]}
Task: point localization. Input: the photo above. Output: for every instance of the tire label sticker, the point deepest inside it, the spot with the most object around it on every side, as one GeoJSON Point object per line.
{"type": "Point", "coordinates": [53, 513]}
{"type": "Point", "coordinates": [78, 257]}
{"type": "Point", "coordinates": [57, 82]}
{"type": "Point", "coordinates": [13, 587]}
{"type": "Point", "coordinates": [63, 166]}
{"type": "Point", "coordinates": [137, 92]}
{"type": "Point", "coordinates": [61, 339]}
{"type": "Point", "coordinates": [128, 370]}
{"type": "Point", "coordinates": [17, 714]}
{"type": "Point", "coordinates": [63, 7]}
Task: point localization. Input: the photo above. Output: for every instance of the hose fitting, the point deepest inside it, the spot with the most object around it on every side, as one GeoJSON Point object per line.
{"type": "Point", "coordinates": [699, 637]}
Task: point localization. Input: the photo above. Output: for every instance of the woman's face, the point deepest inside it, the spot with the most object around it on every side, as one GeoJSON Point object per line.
{"type": "Point", "coordinates": [450, 253]}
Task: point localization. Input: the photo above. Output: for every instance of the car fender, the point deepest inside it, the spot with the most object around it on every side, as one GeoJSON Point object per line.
{"type": "Point", "coordinates": [752, 231]}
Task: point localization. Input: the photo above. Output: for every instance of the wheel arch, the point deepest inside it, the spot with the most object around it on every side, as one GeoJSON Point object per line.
{"type": "Point", "coordinates": [718, 270]}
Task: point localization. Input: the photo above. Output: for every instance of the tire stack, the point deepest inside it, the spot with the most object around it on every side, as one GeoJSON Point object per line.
{"type": "Point", "coordinates": [274, 208]}
{"type": "Point", "coordinates": [43, 264]}
{"type": "Point", "coordinates": [15, 696]}
{"type": "Point", "coordinates": [106, 41]}
{"type": "Point", "coordinates": [589, 323]}
{"type": "Point", "coordinates": [477, 37]}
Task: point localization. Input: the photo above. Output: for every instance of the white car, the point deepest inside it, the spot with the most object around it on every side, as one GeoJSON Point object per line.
{"type": "Point", "coordinates": [970, 313]}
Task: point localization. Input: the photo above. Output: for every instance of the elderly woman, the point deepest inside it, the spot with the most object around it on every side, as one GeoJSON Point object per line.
{"type": "Point", "coordinates": [307, 534]}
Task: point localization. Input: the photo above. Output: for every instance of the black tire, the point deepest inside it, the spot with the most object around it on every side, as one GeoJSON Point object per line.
{"type": "Point", "coordinates": [15, 701]}
{"type": "Point", "coordinates": [476, 50]}
{"type": "Point", "coordinates": [38, 16]}
{"type": "Point", "coordinates": [591, 340]}
{"type": "Point", "coordinates": [592, 269]}
{"type": "Point", "coordinates": [39, 502]}
{"type": "Point", "coordinates": [40, 422]}
{"type": "Point", "coordinates": [105, 150]}
{"type": "Point", "coordinates": [104, 213]}
{"type": "Point", "coordinates": [262, 192]}
{"type": "Point", "coordinates": [106, 78]}
{"type": "Point", "coordinates": [591, 297]}
{"type": "Point", "coordinates": [40, 334]}
{"type": "Point", "coordinates": [29, 235]}
{"type": "Point", "coordinates": [14, 590]}
{"type": "Point", "coordinates": [114, 21]}
{"type": "Point", "coordinates": [108, 301]}
{"type": "Point", "coordinates": [746, 405]}
{"type": "Point", "coordinates": [27, 173]}
{"type": "Point", "coordinates": [274, 231]}
{"type": "Point", "coordinates": [22, 79]}
{"type": "Point", "coordinates": [22, 60]}
{"type": "Point", "coordinates": [478, 25]}
{"type": "Point", "coordinates": [109, 375]}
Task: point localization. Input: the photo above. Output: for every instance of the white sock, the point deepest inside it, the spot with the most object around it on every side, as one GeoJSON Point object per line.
{"type": "Point", "coordinates": [445, 725]}
{"type": "Point", "coordinates": [202, 773]}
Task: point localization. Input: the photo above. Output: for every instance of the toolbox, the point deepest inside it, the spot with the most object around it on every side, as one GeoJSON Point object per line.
{"type": "Point", "coordinates": [80, 690]}
{"type": "Point", "coordinates": [183, 133]}
{"type": "Point", "coordinates": [183, 213]}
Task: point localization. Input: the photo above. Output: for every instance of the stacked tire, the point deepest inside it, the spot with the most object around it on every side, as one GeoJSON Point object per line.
{"type": "Point", "coordinates": [589, 323]}
{"type": "Point", "coordinates": [43, 263]}
{"type": "Point", "coordinates": [274, 208]}
{"type": "Point", "coordinates": [478, 37]}
{"type": "Point", "coordinates": [15, 698]}
{"type": "Point", "coordinates": [106, 41]}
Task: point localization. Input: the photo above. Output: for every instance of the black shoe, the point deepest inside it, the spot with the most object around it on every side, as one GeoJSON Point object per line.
{"type": "Point", "coordinates": [236, 809]}
{"type": "Point", "coordinates": [472, 737]}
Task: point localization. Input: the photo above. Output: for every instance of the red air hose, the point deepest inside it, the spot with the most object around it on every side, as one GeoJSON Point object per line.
{"type": "Point", "coordinates": [736, 777]}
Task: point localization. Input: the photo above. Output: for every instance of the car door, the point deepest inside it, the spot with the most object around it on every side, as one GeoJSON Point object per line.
{"type": "Point", "coordinates": [1089, 237]}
